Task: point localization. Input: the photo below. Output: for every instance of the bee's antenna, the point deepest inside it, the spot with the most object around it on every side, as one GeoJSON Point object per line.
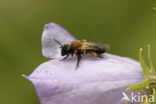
{"type": "Point", "coordinates": [58, 42]}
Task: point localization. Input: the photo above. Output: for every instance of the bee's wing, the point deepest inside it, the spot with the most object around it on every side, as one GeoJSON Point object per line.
{"type": "Point", "coordinates": [102, 46]}
{"type": "Point", "coordinates": [52, 32]}
{"type": "Point", "coordinates": [94, 45]}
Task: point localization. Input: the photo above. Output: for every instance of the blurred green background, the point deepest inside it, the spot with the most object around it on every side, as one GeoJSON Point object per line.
{"type": "Point", "coordinates": [126, 25]}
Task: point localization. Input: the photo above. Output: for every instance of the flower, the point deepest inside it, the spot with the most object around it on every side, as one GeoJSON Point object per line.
{"type": "Point", "coordinates": [96, 81]}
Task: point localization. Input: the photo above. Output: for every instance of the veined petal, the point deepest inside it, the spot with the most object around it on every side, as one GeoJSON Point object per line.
{"type": "Point", "coordinates": [96, 81]}
{"type": "Point", "coordinates": [50, 48]}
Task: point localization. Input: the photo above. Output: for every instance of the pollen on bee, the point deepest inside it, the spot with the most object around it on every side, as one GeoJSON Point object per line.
{"type": "Point", "coordinates": [93, 54]}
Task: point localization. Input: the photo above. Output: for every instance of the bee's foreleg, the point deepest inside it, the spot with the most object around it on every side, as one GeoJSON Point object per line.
{"type": "Point", "coordinates": [78, 60]}
{"type": "Point", "coordinates": [66, 57]}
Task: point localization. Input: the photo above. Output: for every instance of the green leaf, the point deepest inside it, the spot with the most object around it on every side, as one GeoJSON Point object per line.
{"type": "Point", "coordinates": [143, 65]}
{"type": "Point", "coordinates": [144, 99]}
{"type": "Point", "coordinates": [150, 60]}
{"type": "Point", "coordinates": [150, 78]}
{"type": "Point", "coordinates": [139, 86]}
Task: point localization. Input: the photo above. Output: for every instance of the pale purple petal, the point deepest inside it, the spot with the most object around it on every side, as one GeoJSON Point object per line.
{"type": "Point", "coordinates": [50, 48]}
{"type": "Point", "coordinates": [96, 81]}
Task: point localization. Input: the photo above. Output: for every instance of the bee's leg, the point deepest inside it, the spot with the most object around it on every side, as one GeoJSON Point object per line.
{"type": "Point", "coordinates": [84, 52]}
{"type": "Point", "coordinates": [100, 56]}
{"type": "Point", "coordinates": [75, 51]}
{"type": "Point", "coordinates": [78, 60]}
{"type": "Point", "coordinates": [65, 57]}
{"type": "Point", "coordinates": [72, 54]}
{"type": "Point", "coordinates": [93, 54]}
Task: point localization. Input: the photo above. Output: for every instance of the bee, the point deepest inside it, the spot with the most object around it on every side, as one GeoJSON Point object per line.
{"type": "Point", "coordinates": [82, 47]}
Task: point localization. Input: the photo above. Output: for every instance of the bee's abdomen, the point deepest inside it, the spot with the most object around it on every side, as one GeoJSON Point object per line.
{"type": "Point", "coordinates": [98, 51]}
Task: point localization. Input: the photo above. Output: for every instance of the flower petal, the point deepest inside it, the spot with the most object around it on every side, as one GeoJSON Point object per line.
{"type": "Point", "coordinates": [50, 48]}
{"type": "Point", "coordinates": [96, 81]}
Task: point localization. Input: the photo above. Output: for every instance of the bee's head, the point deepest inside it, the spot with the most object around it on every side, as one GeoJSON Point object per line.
{"type": "Point", "coordinates": [65, 49]}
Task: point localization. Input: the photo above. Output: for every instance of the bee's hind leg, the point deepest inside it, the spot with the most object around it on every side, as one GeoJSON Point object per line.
{"type": "Point", "coordinates": [78, 60]}
{"type": "Point", "coordinates": [100, 56]}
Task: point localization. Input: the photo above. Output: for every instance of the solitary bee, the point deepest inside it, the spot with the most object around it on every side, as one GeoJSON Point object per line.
{"type": "Point", "coordinates": [82, 47]}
